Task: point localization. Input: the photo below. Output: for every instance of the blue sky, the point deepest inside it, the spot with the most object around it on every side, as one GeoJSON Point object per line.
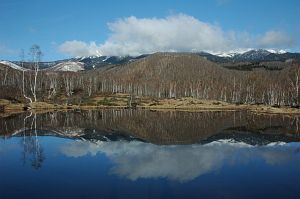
{"type": "Point", "coordinates": [74, 28]}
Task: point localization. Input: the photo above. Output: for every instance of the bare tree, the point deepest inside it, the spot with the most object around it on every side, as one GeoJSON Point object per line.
{"type": "Point", "coordinates": [22, 55]}
{"type": "Point", "coordinates": [53, 85]}
{"type": "Point", "coordinates": [295, 83]}
{"type": "Point", "coordinates": [89, 86]}
{"type": "Point", "coordinates": [36, 55]}
{"type": "Point", "coordinates": [69, 84]}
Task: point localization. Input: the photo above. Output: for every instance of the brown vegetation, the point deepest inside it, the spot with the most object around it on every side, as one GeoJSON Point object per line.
{"type": "Point", "coordinates": [160, 76]}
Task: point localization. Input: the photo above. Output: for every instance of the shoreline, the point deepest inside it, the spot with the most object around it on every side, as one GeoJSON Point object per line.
{"type": "Point", "coordinates": [252, 108]}
{"type": "Point", "coordinates": [182, 104]}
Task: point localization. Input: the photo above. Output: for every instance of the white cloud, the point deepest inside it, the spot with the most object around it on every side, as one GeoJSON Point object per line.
{"type": "Point", "coordinates": [176, 33]}
{"type": "Point", "coordinates": [135, 160]}
{"type": "Point", "coordinates": [79, 48]}
{"type": "Point", "coordinates": [276, 39]}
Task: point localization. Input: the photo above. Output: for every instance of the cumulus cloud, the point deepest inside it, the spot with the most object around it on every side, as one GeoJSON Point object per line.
{"type": "Point", "coordinates": [177, 33]}
{"type": "Point", "coordinates": [276, 39]}
{"type": "Point", "coordinates": [135, 160]}
{"type": "Point", "coordinates": [79, 48]}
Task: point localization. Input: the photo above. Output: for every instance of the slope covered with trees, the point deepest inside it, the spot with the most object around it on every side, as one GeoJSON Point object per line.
{"type": "Point", "coordinates": [162, 75]}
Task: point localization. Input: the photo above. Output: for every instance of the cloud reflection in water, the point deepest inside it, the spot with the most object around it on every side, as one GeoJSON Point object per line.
{"type": "Point", "coordinates": [134, 160]}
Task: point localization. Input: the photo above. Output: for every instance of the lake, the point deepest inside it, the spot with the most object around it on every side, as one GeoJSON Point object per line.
{"type": "Point", "coordinates": [149, 154]}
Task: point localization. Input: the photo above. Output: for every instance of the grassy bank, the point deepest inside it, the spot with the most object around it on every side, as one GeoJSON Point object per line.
{"type": "Point", "coordinates": [122, 101]}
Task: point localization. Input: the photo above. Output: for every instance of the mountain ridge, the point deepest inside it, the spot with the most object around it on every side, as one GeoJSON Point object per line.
{"type": "Point", "coordinates": [76, 64]}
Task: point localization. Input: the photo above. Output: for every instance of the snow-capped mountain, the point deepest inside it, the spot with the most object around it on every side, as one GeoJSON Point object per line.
{"type": "Point", "coordinates": [94, 62]}
{"type": "Point", "coordinates": [68, 66]}
{"type": "Point", "coordinates": [265, 55]}
{"type": "Point", "coordinates": [259, 54]}
{"type": "Point", "coordinates": [74, 64]}
{"type": "Point", "coordinates": [251, 55]}
{"type": "Point", "coordinates": [248, 51]}
{"type": "Point", "coordinates": [275, 51]}
{"type": "Point", "coordinates": [14, 66]}
{"type": "Point", "coordinates": [231, 53]}
{"type": "Point", "coordinates": [88, 57]}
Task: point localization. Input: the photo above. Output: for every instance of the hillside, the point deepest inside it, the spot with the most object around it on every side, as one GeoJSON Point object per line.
{"type": "Point", "coordinates": [164, 75]}
{"type": "Point", "coordinates": [172, 75]}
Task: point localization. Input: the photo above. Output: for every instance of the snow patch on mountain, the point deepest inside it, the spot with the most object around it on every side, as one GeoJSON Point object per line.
{"type": "Point", "coordinates": [106, 58]}
{"type": "Point", "coordinates": [277, 51]}
{"type": "Point", "coordinates": [14, 66]}
{"type": "Point", "coordinates": [88, 57]}
{"type": "Point", "coordinates": [233, 53]}
{"type": "Point", "coordinates": [68, 66]}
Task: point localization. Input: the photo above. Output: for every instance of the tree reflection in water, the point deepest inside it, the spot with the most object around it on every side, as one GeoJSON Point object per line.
{"type": "Point", "coordinates": [32, 150]}
{"type": "Point", "coordinates": [157, 127]}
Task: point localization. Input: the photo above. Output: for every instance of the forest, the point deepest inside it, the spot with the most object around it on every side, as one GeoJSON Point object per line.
{"type": "Point", "coordinates": [159, 76]}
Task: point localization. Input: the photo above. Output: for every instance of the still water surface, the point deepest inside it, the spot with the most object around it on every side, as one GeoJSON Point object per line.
{"type": "Point", "coordinates": [144, 154]}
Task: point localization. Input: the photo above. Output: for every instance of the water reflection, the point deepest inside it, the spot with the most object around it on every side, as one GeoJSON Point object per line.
{"type": "Point", "coordinates": [142, 154]}
{"type": "Point", "coordinates": [135, 160]}
{"type": "Point", "coordinates": [163, 128]}
{"type": "Point", "coordinates": [156, 127]}
{"type": "Point", "coordinates": [32, 152]}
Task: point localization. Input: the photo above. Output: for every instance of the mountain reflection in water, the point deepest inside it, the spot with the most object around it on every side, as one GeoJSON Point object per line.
{"type": "Point", "coordinates": [142, 154]}
{"type": "Point", "coordinates": [156, 127]}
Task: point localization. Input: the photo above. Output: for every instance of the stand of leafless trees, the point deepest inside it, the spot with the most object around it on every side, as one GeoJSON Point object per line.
{"type": "Point", "coordinates": [163, 75]}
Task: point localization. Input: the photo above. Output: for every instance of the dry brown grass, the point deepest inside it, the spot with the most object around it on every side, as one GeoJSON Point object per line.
{"type": "Point", "coordinates": [197, 105]}
{"type": "Point", "coordinates": [4, 102]}
{"type": "Point", "coordinates": [42, 105]}
{"type": "Point", "coordinates": [180, 104]}
{"type": "Point", "coordinates": [189, 103]}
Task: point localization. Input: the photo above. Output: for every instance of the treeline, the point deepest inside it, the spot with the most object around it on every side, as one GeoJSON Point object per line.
{"type": "Point", "coordinates": [162, 75]}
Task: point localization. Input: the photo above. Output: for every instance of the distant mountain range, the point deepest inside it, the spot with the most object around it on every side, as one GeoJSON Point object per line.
{"type": "Point", "coordinates": [75, 64]}
{"type": "Point", "coordinates": [229, 60]}
{"type": "Point", "coordinates": [259, 55]}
